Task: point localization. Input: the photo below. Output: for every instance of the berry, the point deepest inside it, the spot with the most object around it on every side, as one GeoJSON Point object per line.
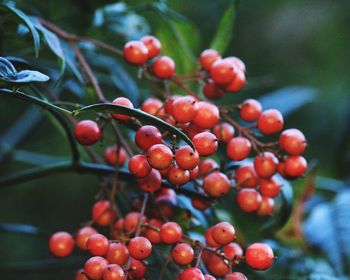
{"type": "Point", "coordinates": [212, 90]}
{"type": "Point", "coordinates": [194, 173]}
{"type": "Point", "coordinates": [182, 254]}
{"type": "Point", "coordinates": [209, 238]}
{"type": "Point", "coordinates": [269, 187]}
{"type": "Point", "coordinates": [61, 244]}
{"type": "Point", "coordinates": [233, 252]}
{"type": "Point", "coordinates": [152, 235]}
{"type": "Point", "coordinates": [169, 103]}
{"type": "Point", "coordinates": [135, 52]}
{"type": "Point", "coordinates": [295, 166]}
{"type": "Point", "coordinates": [95, 267]}
{"type": "Point", "coordinates": [238, 148]}
{"type": "Point", "coordinates": [186, 158]}
{"type": "Point", "coordinates": [113, 155]}
{"type": "Point", "coordinates": [139, 166]}
{"type": "Point", "coordinates": [160, 156]}
{"type": "Point", "coordinates": [170, 233]}
{"type": "Point", "coordinates": [209, 277]}
{"type": "Point", "coordinates": [250, 110]}
{"type": "Point", "coordinates": [131, 220]}
{"type": "Point", "coordinates": [87, 132]}
{"type": "Point", "coordinates": [164, 67]}
{"type": "Point", "coordinates": [207, 166]}
{"type": "Point", "coordinates": [80, 275]}
{"type": "Point", "coordinates": [118, 254]}
{"type": "Point", "coordinates": [83, 235]}
{"type": "Point", "coordinates": [246, 176]}
{"type": "Point", "coordinates": [238, 82]}
{"type": "Point", "coordinates": [178, 176]}
{"type": "Point", "coordinates": [184, 109]}
{"type": "Point", "coordinates": [293, 142]}
{"type": "Point", "coordinates": [140, 248]}
{"type": "Point", "coordinates": [259, 256]}
{"type": "Point", "coordinates": [153, 106]}
{"type": "Point", "coordinates": [237, 62]}
{"type": "Point", "coordinates": [191, 273]}
{"type": "Point", "coordinates": [147, 136]}
{"type": "Point", "coordinates": [153, 45]}
{"type": "Point", "coordinates": [113, 272]}
{"type": "Point", "coordinates": [270, 121]}
{"type": "Point", "coordinates": [97, 244]}
{"type": "Point", "coordinates": [123, 102]}
{"type": "Point", "coordinates": [223, 233]}
{"type": "Point", "coordinates": [137, 269]}
{"type": "Point", "coordinates": [224, 132]}
{"type": "Point", "coordinates": [208, 115]}
{"type": "Point", "coordinates": [103, 213]}
{"type": "Point", "coordinates": [222, 71]}
{"type": "Point", "coordinates": [235, 276]}
{"type": "Point", "coordinates": [216, 184]}
{"type": "Point", "coordinates": [200, 204]}
{"type": "Point", "coordinates": [249, 200]}
{"type": "Point", "coordinates": [205, 143]}
{"type": "Point", "coordinates": [265, 164]}
{"type": "Point", "coordinates": [208, 57]}
{"type": "Point", "coordinates": [217, 266]}
{"type": "Point", "coordinates": [266, 207]}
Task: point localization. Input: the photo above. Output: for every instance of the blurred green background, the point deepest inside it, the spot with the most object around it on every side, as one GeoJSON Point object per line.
{"type": "Point", "coordinates": [283, 43]}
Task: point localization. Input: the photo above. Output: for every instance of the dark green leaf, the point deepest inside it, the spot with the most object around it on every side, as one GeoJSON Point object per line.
{"type": "Point", "coordinates": [24, 18]}
{"type": "Point", "coordinates": [6, 68]}
{"type": "Point", "coordinates": [21, 228]}
{"type": "Point", "coordinates": [71, 61]}
{"type": "Point", "coordinates": [112, 108]}
{"type": "Point", "coordinates": [35, 158]}
{"type": "Point", "coordinates": [224, 33]}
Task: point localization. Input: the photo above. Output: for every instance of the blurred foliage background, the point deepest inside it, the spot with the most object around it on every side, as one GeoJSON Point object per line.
{"type": "Point", "coordinates": [295, 47]}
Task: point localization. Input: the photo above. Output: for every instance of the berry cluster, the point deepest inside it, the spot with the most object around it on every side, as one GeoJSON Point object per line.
{"type": "Point", "coordinates": [121, 252]}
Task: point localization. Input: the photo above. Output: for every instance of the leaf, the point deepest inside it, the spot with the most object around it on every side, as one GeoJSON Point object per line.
{"type": "Point", "coordinates": [112, 108]}
{"type": "Point", "coordinates": [23, 17]}
{"type": "Point", "coordinates": [28, 76]}
{"type": "Point", "coordinates": [22, 228]}
{"type": "Point", "coordinates": [224, 33]}
{"type": "Point", "coordinates": [35, 158]}
{"type": "Point", "coordinates": [288, 99]}
{"type": "Point", "coordinates": [327, 228]}
{"type": "Point", "coordinates": [6, 67]}
{"type": "Point", "coordinates": [71, 61]}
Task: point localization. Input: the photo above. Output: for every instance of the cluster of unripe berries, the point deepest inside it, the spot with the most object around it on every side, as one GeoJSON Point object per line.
{"type": "Point", "coordinates": [123, 254]}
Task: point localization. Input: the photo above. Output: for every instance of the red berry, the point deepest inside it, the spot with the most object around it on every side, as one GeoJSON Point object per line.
{"type": "Point", "coordinates": [269, 187]}
{"type": "Point", "coordinates": [224, 132]}
{"type": "Point", "coordinates": [223, 71]}
{"type": "Point", "coordinates": [95, 267]}
{"type": "Point", "coordinates": [259, 256]}
{"type": "Point", "coordinates": [118, 254]}
{"type": "Point", "coordinates": [83, 235]}
{"type": "Point", "coordinates": [209, 277]}
{"type": "Point", "coordinates": [160, 156]}
{"type": "Point", "coordinates": [212, 91]}
{"type": "Point", "coordinates": [217, 266]}
{"type": "Point", "coordinates": [191, 273]}
{"type": "Point", "coordinates": [237, 62]}
{"type": "Point", "coordinates": [293, 142]}
{"type": "Point", "coordinates": [103, 213]}
{"type": "Point", "coordinates": [238, 148]}
{"type": "Point", "coordinates": [170, 233]}
{"type": "Point", "coordinates": [135, 52]}
{"type": "Point", "coordinates": [249, 200]}
{"type": "Point", "coordinates": [139, 166]}
{"type": "Point", "coordinates": [113, 272]}
{"type": "Point", "coordinates": [137, 269]}
{"type": "Point", "coordinates": [178, 176]}
{"type": "Point", "coordinates": [140, 248]}
{"type": "Point", "coordinates": [113, 155]}
{"type": "Point", "coordinates": [131, 220]}
{"type": "Point", "coordinates": [80, 275]}
{"type": "Point", "coordinates": [200, 204]}
{"type": "Point", "coordinates": [265, 164]}
{"type": "Point", "coordinates": [267, 206]}
{"type": "Point", "coordinates": [123, 102]}
{"type": "Point", "coordinates": [207, 58]}
{"type": "Point", "coordinates": [164, 67]}
{"type": "Point", "coordinates": [209, 238]}
{"type": "Point", "coordinates": [87, 132]}
{"type": "Point", "coordinates": [97, 244]}
{"type": "Point", "coordinates": [223, 233]}
{"type": "Point", "coordinates": [235, 276]}
{"type": "Point", "coordinates": [151, 234]}
{"type": "Point", "coordinates": [194, 173]}
{"type": "Point", "coordinates": [153, 106]}
{"type": "Point", "coordinates": [207, 166]}
{"type": "Point", "coordinates": [147, 136]}
{"type": "Point", "coordinates": [182, 254]}
{"type": "Point", "coordinates": [246, 176]}
{"type": "Point", "coordinates": [295, 166]}
{"type": "Point", "coordinates": [208, 115]}
{"type": "Point", "coordinates": [238, 82]}
{"type": "Point", "coordinates": [61, 244]}
{"type": "Point", "coordinates": [169, 103]}
{"type": "Point", "coordinates": [216, 184]}
{"type": "Point", "coordinates": [153, 45]}
{"type": "Point", "coordinates": [192, 130]}
{"type": "Point", "coordinates": [270, 121]}
{"type": "Point", "coordinates": [205, 143]}
{"type": "Point", "coordinates": [250, 110]}
{"type": "Point", "coordinates": [184, 109]}
{"type": "Point", "coordinates": [233, 252]}
{"type": "Point", "coordinates": [186, 158]}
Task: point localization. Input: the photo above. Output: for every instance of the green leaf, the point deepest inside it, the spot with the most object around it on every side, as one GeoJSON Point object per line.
{"type": "Point", "coordinates": [224, 33]}
{"type": "Point", "coordinates": [112, 108]}
{"type": "Point", "coordinates": [24, 18]}
{"type": "Point", "coordinates": [6, 67]}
